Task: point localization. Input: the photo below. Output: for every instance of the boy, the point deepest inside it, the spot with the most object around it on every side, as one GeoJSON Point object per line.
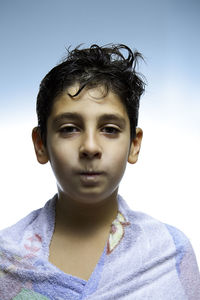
{"type": "Point", "coordinates": [86, 243]}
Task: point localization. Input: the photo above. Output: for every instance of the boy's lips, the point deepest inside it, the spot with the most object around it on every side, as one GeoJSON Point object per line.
{"type": "Point", "coordinates": [90, 177]}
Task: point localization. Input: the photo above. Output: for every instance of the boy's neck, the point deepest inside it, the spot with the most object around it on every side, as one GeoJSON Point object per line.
{"type": "Point", "coordinates": [75, 216]}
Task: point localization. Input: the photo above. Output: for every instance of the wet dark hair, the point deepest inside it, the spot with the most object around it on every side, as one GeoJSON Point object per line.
{"type": "Point", "coordinates": [107, 66]}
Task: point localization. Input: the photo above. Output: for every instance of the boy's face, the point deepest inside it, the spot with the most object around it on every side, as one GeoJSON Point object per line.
{"type": "Point", "coordinates": [88, 144]}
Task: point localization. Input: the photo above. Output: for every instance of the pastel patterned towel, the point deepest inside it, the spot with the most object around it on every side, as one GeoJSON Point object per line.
{"type": "Point", "coordinates": [143, 259]}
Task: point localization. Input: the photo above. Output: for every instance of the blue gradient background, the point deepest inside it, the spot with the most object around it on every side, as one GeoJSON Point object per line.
{"type": "Point", "coordinates": [34, 34]}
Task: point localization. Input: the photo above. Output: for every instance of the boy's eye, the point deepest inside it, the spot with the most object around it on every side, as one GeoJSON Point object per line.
{"type": "Point", "coordinates": [71, 129]}
{"type": "Point", "coordinates": [68, 129]}
{"type": "Point", "coordinates": [110, 130]}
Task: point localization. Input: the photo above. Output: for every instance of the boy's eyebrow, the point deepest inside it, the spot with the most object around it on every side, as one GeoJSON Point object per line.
{"type": "Point", "coordinates": [113, 117]}
{"type": "Point", "coordinates": [67, 115]}
{"type": "Point", "coordinates": [103, 118]}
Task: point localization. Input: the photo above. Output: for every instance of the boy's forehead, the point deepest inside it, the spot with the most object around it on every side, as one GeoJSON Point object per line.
{"type": "Point", "coordinates": [98, 91]}
{"type": "Point", "coordinates": [95, 101]}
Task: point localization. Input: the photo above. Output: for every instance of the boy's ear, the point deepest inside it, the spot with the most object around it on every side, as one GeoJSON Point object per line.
{"type": "Point", "coordinates": [40, 149]}
{"type": "Point", "coordinates": [135, 147]}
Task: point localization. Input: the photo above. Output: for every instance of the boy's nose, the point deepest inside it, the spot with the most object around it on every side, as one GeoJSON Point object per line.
{"type": "Point", "coordinates": [90, 148]}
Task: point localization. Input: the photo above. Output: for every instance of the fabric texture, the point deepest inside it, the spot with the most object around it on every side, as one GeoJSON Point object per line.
{"type": "Point", "coordinates": [142, 259]}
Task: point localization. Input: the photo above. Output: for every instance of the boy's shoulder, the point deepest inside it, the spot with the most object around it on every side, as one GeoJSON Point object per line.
{"type": "Point", "coordinates": [149, 225]}
{"type": "Point", "coordinates": [157, 239]}
{"type": "Point", "coordinates": [30, 231]}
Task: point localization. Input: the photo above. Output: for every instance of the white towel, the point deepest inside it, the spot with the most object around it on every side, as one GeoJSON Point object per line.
{"type": "Point", "coordinates": [142, 259]}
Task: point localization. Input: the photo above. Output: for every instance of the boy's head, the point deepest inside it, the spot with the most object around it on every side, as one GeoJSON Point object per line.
{"type": "Point", "coordinates": [95, 66]}
{"type": "Point", "coordinates": [87, 112]}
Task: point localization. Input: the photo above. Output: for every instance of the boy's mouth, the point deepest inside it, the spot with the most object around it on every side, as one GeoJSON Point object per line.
{"type": "Point", "coordinates": [90, 173]}
{"type": "Point", "coordinates": [90, 177]}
